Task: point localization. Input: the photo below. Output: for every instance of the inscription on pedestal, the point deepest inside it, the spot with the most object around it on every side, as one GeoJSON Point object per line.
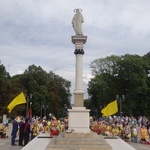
{"type": "Point", "coordinates": [79, 120]}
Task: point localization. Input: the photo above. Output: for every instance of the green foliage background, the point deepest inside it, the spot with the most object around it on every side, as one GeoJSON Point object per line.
{"type": "Point", "coordinates": [127, 75]}
{"type": "Point", "coordinates": [50, 92]}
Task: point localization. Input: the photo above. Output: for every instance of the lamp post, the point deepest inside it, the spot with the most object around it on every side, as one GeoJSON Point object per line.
{"type": "Point", "coordinates": [43, 110]}
{"type": "Point", "coordinates": [65, 110]}
{"type": "Point", "coordinates": [120, 99]}
{"type": "Point", "coordinates": [29, 106]}
{"type": "Point", "coordinates": [148, 73]}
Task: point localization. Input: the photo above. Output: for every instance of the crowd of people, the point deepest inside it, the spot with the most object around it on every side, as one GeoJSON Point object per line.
{"type": "Point", "coordinates": [127, 128]}
{"type": "Point", "coordinates": [26, 129]}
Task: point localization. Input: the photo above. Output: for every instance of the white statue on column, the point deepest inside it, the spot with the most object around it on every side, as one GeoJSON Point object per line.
{"type": "Point", "coordinates": [77, 22]}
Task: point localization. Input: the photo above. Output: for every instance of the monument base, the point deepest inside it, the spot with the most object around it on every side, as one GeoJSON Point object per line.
{"type": "Point", "coordinates": [78, 97]}
{"type": "Point", "coordinates": [79, 119]}
{"type": "Point", "coordinates": [78, 141]}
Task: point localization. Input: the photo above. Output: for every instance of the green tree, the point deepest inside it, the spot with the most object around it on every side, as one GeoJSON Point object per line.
{"type": "Point", "coordinates": [5, 89]}
{"type": "Point", "coordinates": [49, 91]}
{"type": "Point", "coordinates": [124, 75]}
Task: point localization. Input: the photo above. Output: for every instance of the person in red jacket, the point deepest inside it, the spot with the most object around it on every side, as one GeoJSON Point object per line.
{"type": "Point", "coordinates": [21, 132]}
{"type": "Point", "coordinates": [27, 131]}
{"type": "Point", "coordinates": [54, 129]}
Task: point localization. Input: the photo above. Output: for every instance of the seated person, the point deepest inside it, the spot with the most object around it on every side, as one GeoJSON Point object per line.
{"type": "Point", "coordinates": [144, 135]}
{"type": "Point", "coordinates": [134, 133]}
{"type": "Point", "coordinates": [3, 130]}
{"type": "Point", "coordinates": [54, 129]}
{"type": "Point", "coordinates": [126, 133]}
{"type": "Point", "coordinates": [35, 130]}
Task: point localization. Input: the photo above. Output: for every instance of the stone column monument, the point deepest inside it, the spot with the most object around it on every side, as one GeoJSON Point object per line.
{"type": "Point", "coordinates": [79, 115]}
{"type": "Point", "coordinates": [81, 138]}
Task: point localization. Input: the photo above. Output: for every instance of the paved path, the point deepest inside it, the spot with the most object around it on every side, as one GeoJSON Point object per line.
{"type": "Point", "coordinates": [139, 146]}
{"type": "Point", "coordinates": [5, 144]}
{"type": "Point", "coordinates": [38, 143]}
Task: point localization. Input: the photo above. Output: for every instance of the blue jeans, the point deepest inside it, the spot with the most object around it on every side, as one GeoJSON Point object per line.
{"type": "Point", "coordinates": [134, 138]}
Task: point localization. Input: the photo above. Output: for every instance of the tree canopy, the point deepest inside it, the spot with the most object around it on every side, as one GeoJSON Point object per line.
{"type": "Point", "coordinates": [125, 75]}
{"type": "Point", "coordinates": [46, 91]}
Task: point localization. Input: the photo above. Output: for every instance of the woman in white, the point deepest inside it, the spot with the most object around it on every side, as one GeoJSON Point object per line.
{"type": "Point", "coordinates": [134, 133]}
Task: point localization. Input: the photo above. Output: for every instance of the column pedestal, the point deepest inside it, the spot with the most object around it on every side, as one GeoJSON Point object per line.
{"type": "Point", "coordinates": [79, 119]}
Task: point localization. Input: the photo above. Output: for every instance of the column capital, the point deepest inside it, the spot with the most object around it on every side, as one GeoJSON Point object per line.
{"type": "Point", "coordinates": [79, 51]}
{"type": "Point", "coordinates": [79, 39]}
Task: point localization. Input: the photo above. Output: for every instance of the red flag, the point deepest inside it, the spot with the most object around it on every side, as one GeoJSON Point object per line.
{"type": "Point", "coordinates": [30, 113]}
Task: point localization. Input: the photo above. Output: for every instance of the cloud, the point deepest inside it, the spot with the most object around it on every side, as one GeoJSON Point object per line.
{"type": "Point", "coordinates": [39, 32]}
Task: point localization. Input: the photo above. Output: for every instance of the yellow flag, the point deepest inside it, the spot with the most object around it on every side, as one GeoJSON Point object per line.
{"type": "Point", "coordinates": [110, 109]}
{"type": "Point", "coordinates": [20, 99]}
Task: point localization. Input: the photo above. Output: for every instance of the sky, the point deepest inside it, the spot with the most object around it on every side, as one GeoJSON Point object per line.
{"type": "Point", "coordinates": [39, 32]}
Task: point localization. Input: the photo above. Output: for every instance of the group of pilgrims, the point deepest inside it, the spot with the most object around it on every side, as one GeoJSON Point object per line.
{"type": "Point", "coordinates": [37, 126]}
{"type": "Point", "coordinates": [26, 129]}
{"type": "Point", "coordinates": [126, 128]}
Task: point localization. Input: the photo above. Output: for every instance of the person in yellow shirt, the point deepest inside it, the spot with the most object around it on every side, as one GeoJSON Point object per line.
{"type": "Point", "coordinates": [45, 127]}
{"type": "Point", "coordinates": [54, 129]}
{"type": "Point", "coordinates": [35, 130]}
{"type": "Point", "coordinates": [113, 129]}
{"type": "Point", "coordinates": [108, 129]}
{"type": "Point", "coordinates": [61, 126]}
{"type": "Point", "coordinates": [4, 130]}
{"type": "Point", "coordinates": [117, 131]}
{"type": "Point", "coordinates": [134, 133]}
{"type": "Point", "coordinates": [126, 132]}
{"type": "Point", "coordinates": [144, 135]}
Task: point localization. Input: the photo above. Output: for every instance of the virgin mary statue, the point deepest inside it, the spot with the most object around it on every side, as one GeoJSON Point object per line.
{"type": "Point", "coordinates": [77, 22]}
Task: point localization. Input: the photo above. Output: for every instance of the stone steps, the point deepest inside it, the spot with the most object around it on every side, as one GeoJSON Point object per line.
{"type": "Point", "coordinates": [77, 147]}
{"type": "Point", "coordinates": [78, 141]}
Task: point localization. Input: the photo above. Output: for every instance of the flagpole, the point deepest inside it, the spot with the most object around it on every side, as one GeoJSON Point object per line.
{"type": "Point", "coordinates": [120, 99]}
{"type": "Point", "coordinates": [27, 109]}
{"type": "Point", "coordinates": [29, 105]}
